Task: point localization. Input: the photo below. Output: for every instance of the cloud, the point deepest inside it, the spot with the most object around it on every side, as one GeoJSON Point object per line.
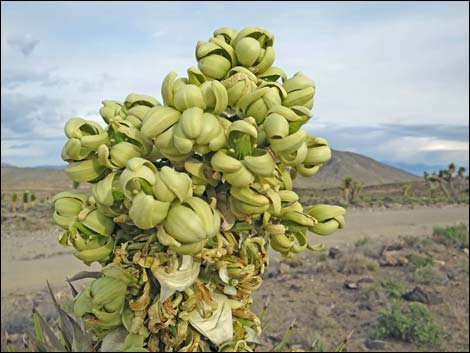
{"type": "Point", "coordinates": [14, 78]}
{"type": "Point", "coordinates": [27, 117]}
{"type": "Point", "coordinates": [427, 144]}
{"type": "Point", "coordinates": [392, 78]}
{"type": "Point", "coordinates": [25, 43]}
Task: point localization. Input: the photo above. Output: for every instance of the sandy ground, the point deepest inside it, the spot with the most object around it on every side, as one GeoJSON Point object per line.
{"type": "Point", "coordinates": [29, 260]}
{"type": "Point", "coordinates": [31, 256]}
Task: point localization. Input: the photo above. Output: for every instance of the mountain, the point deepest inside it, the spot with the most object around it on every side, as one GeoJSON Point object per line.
{"type": "Point", "coordinates": [37, 179]}
{"type": "Point", "coordinates": [342, 164]}
{"type": "Point", "coordinates": [365, 169]}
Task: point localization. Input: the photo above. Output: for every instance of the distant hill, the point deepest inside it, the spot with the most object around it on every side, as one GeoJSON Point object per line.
{"type": "Point", "coordinates": [365, 169]}
{"type": "Point", "coordinates": [342, 164]}
{"type": "Point", "coordinates": [37, 179]}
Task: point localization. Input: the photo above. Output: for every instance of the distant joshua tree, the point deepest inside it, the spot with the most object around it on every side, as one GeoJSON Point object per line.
{"type": "Point", "coordinates": [33, 199]}
{"type": "Point", "coordinates": [406, 190]}
{"type": "Point", "coordinates": [25, 200]}
{"type": "Point", "coordinates": [14, 200]}
{"type": "Point", "coordinates": [350, 189]}
{"type": "Point", "coordinates": [75, 184]}
{"type": "Point", "coordinates": [451, 184]}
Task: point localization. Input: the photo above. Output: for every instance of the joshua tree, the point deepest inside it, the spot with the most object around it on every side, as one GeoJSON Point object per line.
{"type": "Point", "coordinates": [14, 200]}
{"type": "Point", "coordinates": [350, 189]}
{"type": "Point", "coordinates": [75, 184]}
{"type": "Point", "coordinates": [25, 200]}
{"type": "Point", "coordinates": [33, 199]}
{"type": "Point", "coordinates": [183, 240]}
{"type": "Point", "coordinates": [447, 181]}
{"type": "Point", "coordinates": [406, 188]}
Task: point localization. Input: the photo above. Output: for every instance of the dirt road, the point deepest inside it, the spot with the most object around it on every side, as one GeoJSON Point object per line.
{"type": "Point", "coordinates": [22, 273]}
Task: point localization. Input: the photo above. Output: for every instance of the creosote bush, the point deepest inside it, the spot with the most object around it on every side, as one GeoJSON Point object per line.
{"type": "Point", "coordinates": [455, 236]}
{"type": "Point", "coordinates": [410, 323]}
{"type": "Point", "coordinates": [187, 197]}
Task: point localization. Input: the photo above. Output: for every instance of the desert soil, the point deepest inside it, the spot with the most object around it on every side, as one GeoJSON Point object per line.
{"type": "Point", "coordinates": [30, 256]}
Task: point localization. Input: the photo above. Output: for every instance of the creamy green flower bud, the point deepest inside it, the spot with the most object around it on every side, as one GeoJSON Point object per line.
{"type": "Point", "coordinates": [166, 146]}
{"type": "Point", "coordinates": [234, 172]}
{"type": "Point", "coordinates": [295, 116]}
{"type": "Point", "coordinates": [116, 156]}
{"type": "Point", "coordinates": [112, 111]}
{"type": "Point", "coordinates": [67, 206]}
{"type": "Point", "coordinates": [84, 138]}
{"type": "Point", "coordinates": [258, 103]}
{"type": "Point", "coordinates": [329, 218]}
{"type": "Point", "coordinates": [133, 100]}
{"type": "Point", "coordinates": [146, 212]}
{"type": "Point", "coordinates": [246, 49]}
{"type": "Point", "coordinates": [215, 96]}
{"type": "Point", "coordinates": [273, 74]}
{"type": "Point", "coordinates": [171, 185]}
{"type": "Point", "coordinates": [318, 153]}
{"type": "Point", "coordinates": [101, 302]}
{"type": "Point", "coordinates": [300, 91]}
{"type": "Point", "coordinates": [246, 201]}
{"type": "Point", "coordinates": [108, 195]}
{"type": "Point", "coordinates": [260, 163]}
{"type": "Point", "coordinates": [189, 96]}
{"type": "Point", "coordinates": [225, 33]}
{"type": "Point", "coordinates": [138, 175]}
{"type": "Point", "coordinates": [191, 222]}
{"type": "Point", "coordinates": [158, 120]}
{"type": "Point", "coordinates": [195, 76]}
{"type": "Point", "coordinates": [215, 58]}
{"type": "Point", "coordinates": [239, 83]}
{"type": "Point", "coordinates": [90, 170]}
{"type": "Point", "coordinates": [198, 131]}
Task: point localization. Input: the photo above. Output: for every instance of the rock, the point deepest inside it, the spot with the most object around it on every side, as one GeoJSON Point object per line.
{"type": "Point", "coordinates": [295, 287]}
{"type": "Point", "coordinates": [365, 306]}
{"type": "Point", "coordinates": [365, 280]}
{"type": "Point", "coordinates": [420, 295]}
{"type": "Point", "coordinates": [284, 268]}
{"type": "Point", "coordinates": [465, 251]}
{"type": "Point", "coordinates": [374, 344]}
{"type": "Point", "coordinates": [351, 284]}
{"type": "Point", "coordinates": [395, 247]}
{"type": "Point", "coordinates": [334, 253]}
{"type": "Point", "coordinates": [439, 262]}
{"type": "Point", "coordinates": [392, 258]}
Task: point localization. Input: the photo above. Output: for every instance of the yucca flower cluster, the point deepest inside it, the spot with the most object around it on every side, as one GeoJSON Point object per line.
{"type": "Point", "coordinates": [188, 196]}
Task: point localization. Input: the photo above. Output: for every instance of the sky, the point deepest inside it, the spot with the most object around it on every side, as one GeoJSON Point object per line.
{"type": "Point", "coordinates": [392, 78]}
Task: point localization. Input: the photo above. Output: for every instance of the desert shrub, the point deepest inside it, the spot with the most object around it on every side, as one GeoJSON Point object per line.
{"type": "Point", "coordinates": [455, 236]}
{"type": "Point", "coordinates": [427, 275]}
{"type": "Point", "coordinates": [416, 242]}
{"type": "Point", "coordinates": [382, 290]}
{"type": "Point", "coordinates": [356, 264]}
{"type": "Point", "coordinates": [369, 247]}
{"type": "Point", "coordinates": [410, 323]}
{"type": "Point", "coordinates": [420, 260]}
{"type": "Point", "coordinates": [393, 288]}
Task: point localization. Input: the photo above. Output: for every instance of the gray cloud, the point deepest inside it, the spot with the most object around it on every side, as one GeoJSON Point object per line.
{"type": "Point", "coordinates": [14, 78]}
{"type": "Point", "coordinates": [25, 44]}
{"type": "Point", "coordinates": [26, 116]}
{"type": "Point", "coordinates": [426, 144]}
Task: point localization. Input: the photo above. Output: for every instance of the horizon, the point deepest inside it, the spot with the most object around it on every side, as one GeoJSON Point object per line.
{"type": "Point", "coordinates": [392, 78]}
{"type": "Point", "coordinates": [417, 170]}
